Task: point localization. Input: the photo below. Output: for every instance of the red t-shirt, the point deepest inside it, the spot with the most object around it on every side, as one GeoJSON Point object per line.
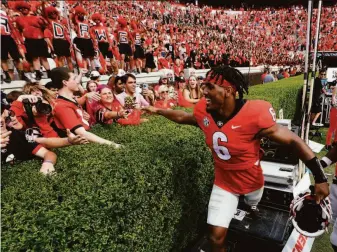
{"type": "Point", "coordinates": [235, 150]}
{"type": "Point", "coordinates": [68, 115]}
{"type": "Point", "coordinates": [31, 26]}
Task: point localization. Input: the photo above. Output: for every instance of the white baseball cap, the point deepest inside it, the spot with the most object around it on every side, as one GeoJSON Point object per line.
{"type": "Point", "coordinates": [121, 72]}
{"type": "Point", "coordinates": [94, 74]}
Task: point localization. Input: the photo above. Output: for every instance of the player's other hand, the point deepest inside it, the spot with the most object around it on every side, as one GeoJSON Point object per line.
{"type": "Point", "coordinates": [150, 109]}
{"type": "Point", "coordinates": [321, 191]}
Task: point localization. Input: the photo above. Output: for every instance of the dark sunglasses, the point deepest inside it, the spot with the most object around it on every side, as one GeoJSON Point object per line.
{"type": "Point", "coordinates": [8, 119]}
{"type": "Point", "coordinates": [166, 92]}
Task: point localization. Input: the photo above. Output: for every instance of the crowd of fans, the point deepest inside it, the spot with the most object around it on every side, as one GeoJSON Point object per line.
{"type": "Point", "coordinates": [62, 112]}
{"type": "Point", "coordinates": [146, 36]}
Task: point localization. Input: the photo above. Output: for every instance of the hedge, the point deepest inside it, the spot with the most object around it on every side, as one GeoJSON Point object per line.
{"type": "Point", "coordinates": [151, 195]}
{"type": "Point", "coordinates": [282, 94]}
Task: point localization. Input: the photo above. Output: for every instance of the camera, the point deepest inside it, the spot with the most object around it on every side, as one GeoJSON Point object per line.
{"type": "Point", "coordinates": [41, 108]}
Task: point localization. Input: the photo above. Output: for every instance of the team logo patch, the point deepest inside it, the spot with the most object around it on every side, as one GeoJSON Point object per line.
{"type": "Point", "coordinates": [206, 121]}
{"type": "Point", "coordinates": [219, 123]}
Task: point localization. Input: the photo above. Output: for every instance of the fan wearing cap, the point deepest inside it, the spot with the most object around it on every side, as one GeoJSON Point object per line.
{"type": "Point", "coordinates": [10, 42]}
{"type": "Point", "coordinates": [58, 37]}
{"type": "Point", "coordinates": [83, 40]}
{"type": "Point", "coordinates": [164, 102]}
{"type": "Point", "coordinates": [102, 40]}
{"type": "Point", "coordinates": [139, 54]}
{"type": "Point", "coordinates": [32, 29]}
{"type": "Point", "coordinates": [233, 129]}
{"type": "Point", "coordinates": [124, 37]}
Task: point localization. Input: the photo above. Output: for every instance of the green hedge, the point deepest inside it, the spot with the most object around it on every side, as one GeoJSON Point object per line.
{"type": "Point", "coordinates": [150, 196]}
{"type": "Point", "coordinates": [282, 94]}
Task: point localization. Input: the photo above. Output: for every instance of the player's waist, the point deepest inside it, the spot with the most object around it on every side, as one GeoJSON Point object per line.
{"type": "Point", "coordinates": [235, 165]}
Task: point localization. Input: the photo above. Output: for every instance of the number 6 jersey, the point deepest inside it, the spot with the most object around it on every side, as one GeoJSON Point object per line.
{"type": "Point", "coordinates": [234, 146]}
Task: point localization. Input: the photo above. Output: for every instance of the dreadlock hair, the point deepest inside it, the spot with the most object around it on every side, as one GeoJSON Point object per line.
{"type": "Point", "coordinates": [230, 74]}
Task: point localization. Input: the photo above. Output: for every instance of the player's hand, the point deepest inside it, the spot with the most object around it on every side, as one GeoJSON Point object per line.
{"type": "Point", "coordinates": [321, 191]}
{"type": "Point", "coordinates": [150, 109]}
{"type": "Point", "coordinates": [93, 96]}
{"type": "Point", "coordinates": [76, 139]}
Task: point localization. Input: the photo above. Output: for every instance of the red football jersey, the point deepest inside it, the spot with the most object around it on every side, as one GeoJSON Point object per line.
{"type": "Point", "coordinates": [68, 115]}
{"type": "Point", "coordinates": [234, 146]}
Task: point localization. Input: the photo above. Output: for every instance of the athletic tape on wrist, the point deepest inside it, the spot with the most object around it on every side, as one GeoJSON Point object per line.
{"type": "Point", "coordinates": [327, 161]}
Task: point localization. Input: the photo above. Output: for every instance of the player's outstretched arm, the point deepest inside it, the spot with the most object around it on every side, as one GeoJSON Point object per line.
{"type": "Point", "coordinates": [177, 116]}
{"type": "Point", "coordinates": [282, 135]}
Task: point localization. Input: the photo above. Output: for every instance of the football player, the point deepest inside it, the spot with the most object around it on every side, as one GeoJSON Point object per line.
{"type": "Point", "coordinates": [327, 160]}
{"type": "Point", "coordinates": [233, 129]}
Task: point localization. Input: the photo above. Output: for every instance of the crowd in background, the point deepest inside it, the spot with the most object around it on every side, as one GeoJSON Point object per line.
{"type": "Point", "coordinates": [145, 36]}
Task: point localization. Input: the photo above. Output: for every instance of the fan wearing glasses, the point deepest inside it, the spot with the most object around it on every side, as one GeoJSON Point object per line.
{"type": "Point", "coordinates": [164, 101]}
{"type": "Point", "coordinates": [30, 142]}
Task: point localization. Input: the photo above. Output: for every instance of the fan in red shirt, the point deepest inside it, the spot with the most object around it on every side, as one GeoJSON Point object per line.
{"type": "Point", "coordinates": [9, 45]}
{"type": "Point", "coordinates": [83, 41]}
{"type": "Point", "coordinates": [164, 102]}
{"type": "Point", "coordinates": [233, 129]}
{"type": "Point", "coordinates": [139, 54]}
{"type": "Point", "coordinates": [32, 29]}
{"type": "Point", "coordinates": [124, 37]}
{"type": "Point", "coordinates": [102, 40]}
{"type": "Point", "coordinates": [58, 38]}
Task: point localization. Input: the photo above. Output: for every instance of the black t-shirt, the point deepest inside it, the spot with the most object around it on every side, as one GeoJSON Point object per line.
{"type": "Point", "coordinates": [19, 146]}
{"type": "Point", "coordinates": [317, 90]}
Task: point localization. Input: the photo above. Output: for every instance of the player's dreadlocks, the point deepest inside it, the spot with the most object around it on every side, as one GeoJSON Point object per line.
{"type": "Point", "coordinates": [228, 76]}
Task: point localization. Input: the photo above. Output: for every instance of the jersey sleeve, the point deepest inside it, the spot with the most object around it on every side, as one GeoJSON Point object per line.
{"type": "Point", "coordinates": [68, 118]}
{"type": "Point", "coordinates": [266, 115]}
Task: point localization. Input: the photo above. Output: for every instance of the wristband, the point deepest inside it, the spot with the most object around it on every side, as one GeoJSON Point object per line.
{"type": "Point", "coordinates": [48, 161]}
{"type": "Point", "coordinates": [317, 170]}
{"type": "Point", "coordinates": [325, 162]}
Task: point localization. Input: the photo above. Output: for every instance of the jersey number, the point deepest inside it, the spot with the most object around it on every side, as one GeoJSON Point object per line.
{"type": "Point", "coordinates": [221, 151]}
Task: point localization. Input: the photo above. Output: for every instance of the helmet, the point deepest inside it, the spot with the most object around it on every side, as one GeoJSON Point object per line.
{"type": "Point", "coordinates": [309, 218]}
